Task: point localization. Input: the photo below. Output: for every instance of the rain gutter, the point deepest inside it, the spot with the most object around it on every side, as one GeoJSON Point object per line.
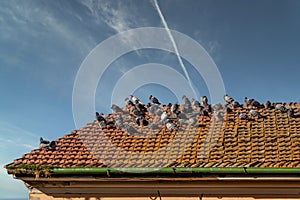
{"type": "Point", "coordinates": [169, 170]}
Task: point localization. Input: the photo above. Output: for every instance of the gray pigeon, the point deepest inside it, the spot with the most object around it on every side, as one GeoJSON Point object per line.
{"type": "Point", "coordinates": [280, 107]}
{"type": "Point", "coordinates": [252, 102]}
{"type": "Point", "coordinates": [186, 101]}
{"type": "Point", "coordinates": [170, 125]}
{"type": "Point", "coordinates": [153, 108]}
{"type": "Point", "coordinates": [116, 108]}
{"type": "Point", "coordinates": [192, 121]}
{"type": "Point", "coordinates": [101, 120]}
{"type": "Point", "coordinates": [174, 108]}
{"type": "Point", "coordinates": [268, 105]}
{"type": "Point", "coordinates": [119, 122]}
{"type": "Point", "coordinates": [228, 99]}
{"type": "Point", "coordinates": [130, 129]}
{"type": "Point", "coordinates": [204, 101]}
{"type": "Point", "coordinates": [218, 115]}
{"type": "Point", "coordinates": [291, 113]}
{"type": "Point", "coordinates": [243, 116]}
{"type": "Point", "coordinates": [164, 116]}
{"type": "Point", "coordinates": [128, 102]}
{"type": "Point", "coordinates": [254, 113]}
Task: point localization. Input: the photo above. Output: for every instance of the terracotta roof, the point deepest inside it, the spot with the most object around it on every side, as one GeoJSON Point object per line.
{"type": "Point", "coordinates": [270, 141]}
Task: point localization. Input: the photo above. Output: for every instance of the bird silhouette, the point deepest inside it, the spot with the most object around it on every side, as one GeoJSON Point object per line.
{"type": "Point", "coordinates": [128, 102]}
{"type": "Point", "coordinates": [42, 141]}
{"type": "Point", "coordinates": [101, 120]}
{"type": "Point", "coordinates": [47, 144]}
{"type": "Point", "coordinates": [170, 125]}
{"type": "Point", "coordinates": [228, 99]}
{"type": "Point", "coordinates": [243, 116]}
{"type": "Point", "coordinates": [291, 113]}
{"type": "Point", "coordinates": [154, 100]}
{"type": "Point", "coordinates": [204, 101]}
{"type": "Point", "coordinates": [254, 113]}
{"type": "Point", "coordinates": [280, 107]}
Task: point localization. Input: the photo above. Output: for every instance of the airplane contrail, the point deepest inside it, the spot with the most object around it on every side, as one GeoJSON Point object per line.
{"type": "Point", "coordinates": [173, 44]}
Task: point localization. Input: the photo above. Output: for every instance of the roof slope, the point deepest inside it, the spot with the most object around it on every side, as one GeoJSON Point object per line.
{"type": "Point", "coordinates": [269, 141]}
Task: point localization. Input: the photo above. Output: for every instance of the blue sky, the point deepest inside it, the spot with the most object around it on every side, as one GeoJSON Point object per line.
{"type": "Point", "coordinates": [254, 44]}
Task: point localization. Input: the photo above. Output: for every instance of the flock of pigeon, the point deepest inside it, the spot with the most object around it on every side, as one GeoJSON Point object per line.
{"type": "Point", "coordinates": [154, 115]}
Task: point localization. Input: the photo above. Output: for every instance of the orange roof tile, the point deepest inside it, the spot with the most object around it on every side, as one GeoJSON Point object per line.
{"type": "Point", "coordinates": [272, 141]}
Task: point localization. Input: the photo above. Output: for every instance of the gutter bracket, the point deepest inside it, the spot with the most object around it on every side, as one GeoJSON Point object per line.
{"type": "Point", "coordinates": [108, 173]}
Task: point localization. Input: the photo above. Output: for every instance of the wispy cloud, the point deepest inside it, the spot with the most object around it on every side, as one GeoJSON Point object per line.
{"type": "Point", "coordinates": [10, 187]}
{"type": "Point", "coordinates": [116, 16]}
{"type": "Point", "coordinates": [26, 22]}
{"type": "Point", "coordinates": [211, 46]}
{"type": "Point", "coordinates": [14, 141]}
{"type": "Point", "coordinates": [120, 16]}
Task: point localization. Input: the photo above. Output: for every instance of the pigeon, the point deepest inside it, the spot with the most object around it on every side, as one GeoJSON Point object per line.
{"type": "Point", "coordinates": [119, 122]}
{"type": "Point", "coordinates": [44, 143]}
{"type": "Point", "coordinates": [217, 107]}
{"type": "Point", "coordinates": [256, 104]}
{"type": "Point", "coordinates": [252, 102]}
{"type": "Point", "coordinates": [138, 121]}
{"type": "Point", "coordinates": [186, 108]}
{"type": "Point", "coordinates": [100, 117]}
{"type": "Point", "coordinates": [145, 122]}
{"type": "Point", "coordinates": [182, 121]}
{"type": "Point", "coordinates": [116, 108]}
{"type": "Point", "coordinates": [235, 104]}
{"type": "Point", "coordinates": [170, 125]}
{"type": "Point", "coordinates": [174, 108]}
{"type": "Point", "coordinates": [154, 100]}
{"type": "Point", "coordinates": [52, 145]}
{"type": "Point", "coordinates": [228, 99]}
{"type": "Point", "coordinates": [158, 112]}
{"type": "Point", "coordinates": [101, 120]}
{"type": "Point", "coordinates": [243, 116]}
{"type": "Point", "coordinates": [195, 104]}
{"type": "Point", "coordinates": [136, 112]}
{"type": "Point", "coordinates": [290, 113]}
{"type": "Point", "coordinates": [280, 107]}
{"type": "Point", "coordinates": [248, 101]}
{"type": "Point", "coordinates": [192, 121]}
{"type": "Point", "coordinates": [141, 107]}
{"type": "Point", "coordinates": [182, 116]}
{"type": "Point", "coordinates": [164, 116]}
{"type": "Point", "coordinates": [203, 112]}
{"type": "Point", "coordinates": [267, 105]}
{"type": "Point", "coordinates": [128, 102]}
{"type": "Point", "coordinates": [135, 99]}
{"type": "Point", "coordinates": [186, 101]}
{"type": "Point", "coordinates": [218, 116]}
{"type": "Point", "coordinates": [254, 113]}
{"type": "Point", "coordinates": [47, 144]}
{"type": "Point", "coordinates": [130, 129]}
{"type": "Point", "coordinates": [141, 120]}
{"type": "Point", "coordinates": [153, 108]}
{"type": "Point", "coordinates": [204, 101]}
